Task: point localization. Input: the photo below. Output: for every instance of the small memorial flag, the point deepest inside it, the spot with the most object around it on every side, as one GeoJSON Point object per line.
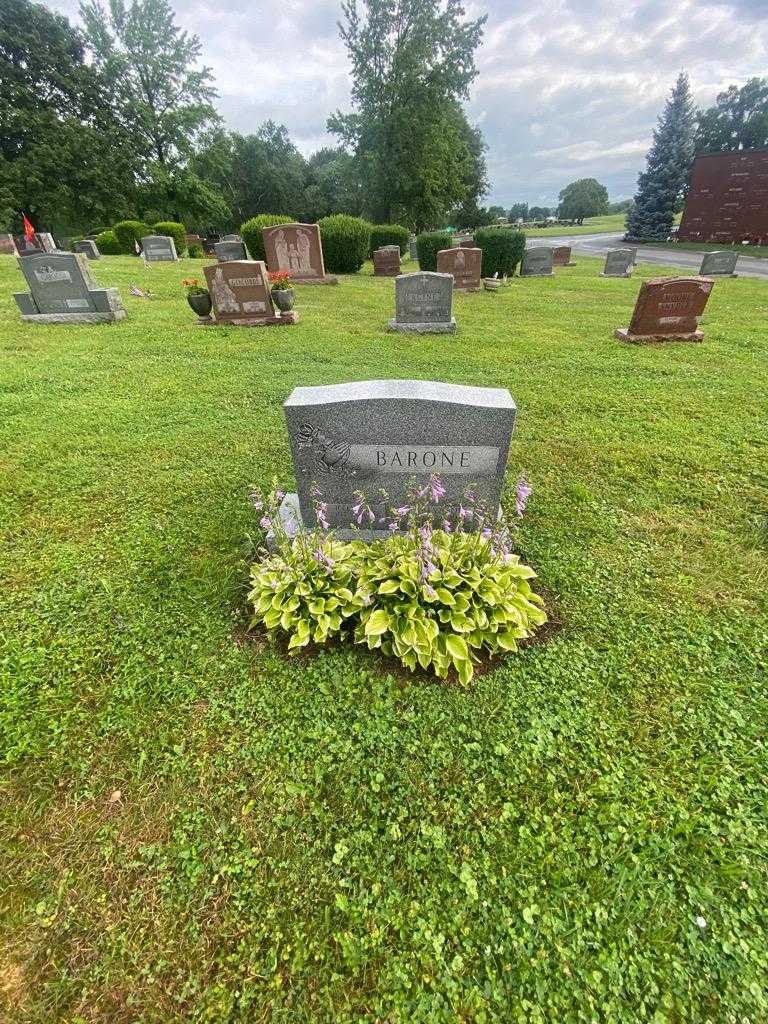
{"type": "Point", "coordinates": [29, 231]}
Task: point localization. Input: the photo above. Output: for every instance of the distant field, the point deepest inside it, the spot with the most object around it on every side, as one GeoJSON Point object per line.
{"type": "Point", "coordinates": [613, 222]}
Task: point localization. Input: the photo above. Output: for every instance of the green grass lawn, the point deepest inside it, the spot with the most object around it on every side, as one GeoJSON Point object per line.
{"type": "Point", "coordinates": [196, 828]}
{"type": "Point", "coordinates": [609, 223]}
{"type": "Point", "coordinates": [744, 250]}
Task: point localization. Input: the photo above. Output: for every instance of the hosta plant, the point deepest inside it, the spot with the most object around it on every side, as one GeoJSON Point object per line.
{"type": "Point", "coordinates": [442, 600]}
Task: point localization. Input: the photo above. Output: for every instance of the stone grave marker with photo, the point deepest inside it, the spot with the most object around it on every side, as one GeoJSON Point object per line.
{"type": "Point", "coordinates": [62, 291]}
{"type": "Point", "coordinates": [423, 304]}
{"type": "Point", "coordinates": [464, 266]}
{"type": "Point", "coordinates": [297, 248]}
{"type": "Point", "coordinates": [668, 309]}
{"type": "Point", "coordinates": [384, 434]}
{"type": "Point", "coordinates": [240, 295]}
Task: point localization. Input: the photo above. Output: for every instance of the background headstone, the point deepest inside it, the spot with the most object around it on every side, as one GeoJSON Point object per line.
{"type": "Point", "coordinates": [63, 291]}
{"type": "Point", "coordinates": [367, 435]}
{"type": "Point", "coordinates": [45, 241]}
{"type": "Point", "coordinates": [226, 251]}
{"type": "Point", "coordinates": [159, 249]}
{"type": "Point", "coordinates": [423, 304]}
{"type": "Point", "coordinates": [668, 309]}
{"type": "Point", "coordinates": [412, 248]}
{"type": "Point", "coordinates": [464, 265]}
{"type": "Point", "coordinates": [386, 261]}
{"type": "Point", "coordinates": [240, 294]}
{"type": "Point", "coordinates": [721, 263]}
{"type": "Point", "coordinates": [561, 256]}
{"type": "Point", "coordinates": [7, 246]}
{"type": "Point", "coordinates": [537, 262]}
{"type": "Point", "coordinates": [89, 247]}
{"type": "Point", "coordinates": [231, 238]}
{"type": "Point", "coordinates": [618, 263]}
{"type": "Point", "coordinates": [190, 240]}
{"type": "Point", "coordinates": [297, 248]}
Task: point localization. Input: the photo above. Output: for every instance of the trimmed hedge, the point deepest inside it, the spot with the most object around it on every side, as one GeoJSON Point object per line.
{"type": "Point", "coordinates": [388, 234]}
{"type": "Point", "coordinates": [129, 231]}
{"type": "Point", "coordinates": [107, 243]}
{"type": "Point", "coordinates": [175, 230]}
{"type": "Point", "coordinates": [346, 242]}
{"type": "Point", "coordinates": [429, 244]}
{"type": "Point", "coordinates": [502, 248]}
{"type": "Point", "coordinates": [250, 232]}
{"type": "Point", "coordinates": [196, 252]}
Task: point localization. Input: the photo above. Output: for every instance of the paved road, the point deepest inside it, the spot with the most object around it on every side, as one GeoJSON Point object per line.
{"type": "Point", "coordinates": [598, 245]}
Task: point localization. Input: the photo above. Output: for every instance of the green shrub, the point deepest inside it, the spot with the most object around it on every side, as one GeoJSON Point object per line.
{"type": "Point", "coordinates": [429, 244]}
{"type": "Point", "coordinates": [250, 232]}
{"type": "Point", "coordinates": [174, 230]}
{"type": "Point", "coordinates": [196, 252]}
{"type": "Point", "coordinates": [388, 234]}
{"type": "Point", "coordinates": [502, 248]}
{"type": "Point", "coordinates": [129, 232]}
{"type": "Point", "coordinates": [346, 242]}
{"type": "Point", "coordinates": [108, 244]}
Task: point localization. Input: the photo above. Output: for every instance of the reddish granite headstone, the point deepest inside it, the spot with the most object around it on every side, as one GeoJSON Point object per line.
{"type": "Point", "coordinates": [386, 261]}
{"type": "Point", "coordinates": [668, 309]}
{"type": "Point", "coordinates": [561, 256]}
{"type": "Point", "coordinates": [7, 245]}
{"type": "Point", "coordinates": [464, 265]}
{"type": "Point", "coordinates": [240, 294]}
{"type": "Point", "coordinates": [297, 249]}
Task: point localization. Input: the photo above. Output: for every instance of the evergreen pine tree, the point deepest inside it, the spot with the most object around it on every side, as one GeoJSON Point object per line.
{"type": "Point", "coordinates": [669, 160]}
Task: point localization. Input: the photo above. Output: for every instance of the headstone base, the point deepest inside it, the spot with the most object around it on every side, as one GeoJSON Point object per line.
{"type": "Point", "coordinates": [290, 517]}
{"type": "Point", "coordinates": [549, 274]}
{"type": "Point", "coordinates": [74, 318]}
{"type": "Point", "coordinates": [648, 339]}
{"type": "Point", "coordinates": [446, 327]}
{"type": "Point", "coordinates": [285, 320]}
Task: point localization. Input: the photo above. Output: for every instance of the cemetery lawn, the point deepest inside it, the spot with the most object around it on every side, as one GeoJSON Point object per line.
{"type": "Point", "coordinates": [758, 251]}
{"type": "Point", "coordinates": [196, 828]}
{"type": "Point", "coordinates": [610, 223]}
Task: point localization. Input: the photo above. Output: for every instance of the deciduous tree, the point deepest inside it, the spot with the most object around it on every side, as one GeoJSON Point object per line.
{"type": "Point", "coordinates": [583, 198]}
{"type": "Point", "coordinates": [738, 120]}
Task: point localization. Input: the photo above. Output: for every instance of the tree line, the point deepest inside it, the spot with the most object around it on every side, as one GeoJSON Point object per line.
{"type": "Point", "coordinates": [117, 119]}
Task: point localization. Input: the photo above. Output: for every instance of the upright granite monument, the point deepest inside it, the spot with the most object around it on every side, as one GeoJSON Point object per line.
{"type": "Point", "coordinates": [423, 304]}
{"type": "Point", "coordinates": [386, 261]}
{"type": "Point", "coordinates": [297, 248]}
{"type": "Point", "coordinates": [7, 246]}
{"type": "Point", "coordinates": [62, 291]}
{"type": "Point", "coordinates": [412, 247]}
{"type": "Point", "coordinates": [230, 250]}
{"type": "Point", "coordinates": [241, 296]}
{"type": "Point", "coordinates": [89, 247]}
{"type": "Point", "coordinates": [375, 434]}
{"type": "Point", "coordinates": [618, 263]}
{"type": "Point", "coordinates": [537, 262]}
{"type": "Point", "coordinates": [159, 249]}
{"type": "Point", "coordinates": [719, 264]}
{"type": "Point", "coordinates": [561, 256]}
{"type": "Point", "coordinates": [668, 309]}
{"type": "Point", "coordinates": [464, 265]}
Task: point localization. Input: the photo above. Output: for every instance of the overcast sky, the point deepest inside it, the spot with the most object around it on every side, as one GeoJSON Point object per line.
{"type": "Point", "coordinates": [567, 88]}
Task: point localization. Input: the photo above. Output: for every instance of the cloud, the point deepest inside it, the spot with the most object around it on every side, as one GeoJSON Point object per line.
{"type": "Point", "coordinates": [566, 88]}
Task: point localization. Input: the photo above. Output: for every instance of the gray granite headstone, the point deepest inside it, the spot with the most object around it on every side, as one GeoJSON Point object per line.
{"type": "Point", "coordinates": [159, 249]}
{"type": "Point", "coordinates": [537, 262]}
{"type": "Point", "coordinates": [386, 434]}
{"type": "Point", "coordinates": [89, 247]}
{"type": "Point", "coordinates": [46, 241]}
{"type": "Point", "coordinates": [618, 263]}
{"type": "Point", "coordinates": [721, 263]}
{"type": "Point", "coordinates": [231, 238]}
{"type": "Point", "coordinates": [226, 251]}
{"type": "Point", "coordinates": [62, 291]}
{"type": "Point", "coordinates": [412, 249]}
{"type": "Point", "coordinates": [423, 304]}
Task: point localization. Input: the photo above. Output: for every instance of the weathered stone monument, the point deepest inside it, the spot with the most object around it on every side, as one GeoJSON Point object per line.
{"type": "Point", "coordinates": [226, 251]}
{"type": "Point", "coordinates": [618, 263]}
{"type": "Point", "coordinates": [561, 256]}
{"type": "Point", "coordinates": [159, 249]}
{"type": "Point", "coordinates": [89, 247]}
{"type": "Point", "coordinates": [297, 248]}
{"type": "Point", "coordinates": [423, 304]}
{"type": "Point", "coordinates": [368, 435]}
{"type": "Point", "coordinates": [232, 238]}
{"type": "Point", "coordinates": [190, 240]}
{"type": "Point", "coordinates": [62, 291]}
{"type": "Point", "coordinates": [7, 246]}
{"type": "Point", "coordinates": [537, 262]}
{"type": "Point", "coordinates": [412, 247]}
{"type": "Point", "coordinates": [721, 264]}
{"type": "Point", "coordinates": [668, 309]}
{"type": "Point", "coordinates": [464, 265]}
{"type": "Point", "coordinates": [241, 296]}
{"type": "Point", "coordinates": [386, 261]}
{"type": "Point", "coordinates": [45, 241]}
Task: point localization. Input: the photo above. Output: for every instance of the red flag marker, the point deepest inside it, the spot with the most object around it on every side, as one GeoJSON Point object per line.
{"type": "Point", "coordinates": [29, 231]}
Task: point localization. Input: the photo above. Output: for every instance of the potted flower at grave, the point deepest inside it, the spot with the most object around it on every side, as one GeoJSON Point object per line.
{"type": "Point", "coordinates": [492, 284]}
{"type": "Point", "coordinates": [198, 298]}
{"type": "Point", "coordinates": [282, 295]}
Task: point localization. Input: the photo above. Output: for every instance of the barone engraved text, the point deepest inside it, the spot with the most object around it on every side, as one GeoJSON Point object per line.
{"type": "Point", "coordinates": [445, 459]}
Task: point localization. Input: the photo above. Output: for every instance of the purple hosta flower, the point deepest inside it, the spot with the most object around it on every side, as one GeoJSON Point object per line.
{"type": "Point", "coordinates": [522, 494]}
{"type": "Point", "coordinates": [446, 526]}
{"type": "Point", "coordinates": [430, 590]}
{"type": "Point", "coordinates": [470, 496]}
{"type": "Point", "coordinates": [315, 491]}
{"type": "Point", "coordinates": [323, 559]}
{"type": "Point", "coordinates": [402, 511]}
{"type": "Point", "coordinates": [291, 527]}
{"type": "Point", "coordinates": [393, 527]}
{"type": "Point", "coordinates": [265, 522]}
{"type": "Point", "coordinates": [321, 514]}
{"type": "Point", "coordinates": [433, 489]}
{"type": "Point", "coordinates": [486, 534]}
{"type": "Point", "coordinates": [279, 495]}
